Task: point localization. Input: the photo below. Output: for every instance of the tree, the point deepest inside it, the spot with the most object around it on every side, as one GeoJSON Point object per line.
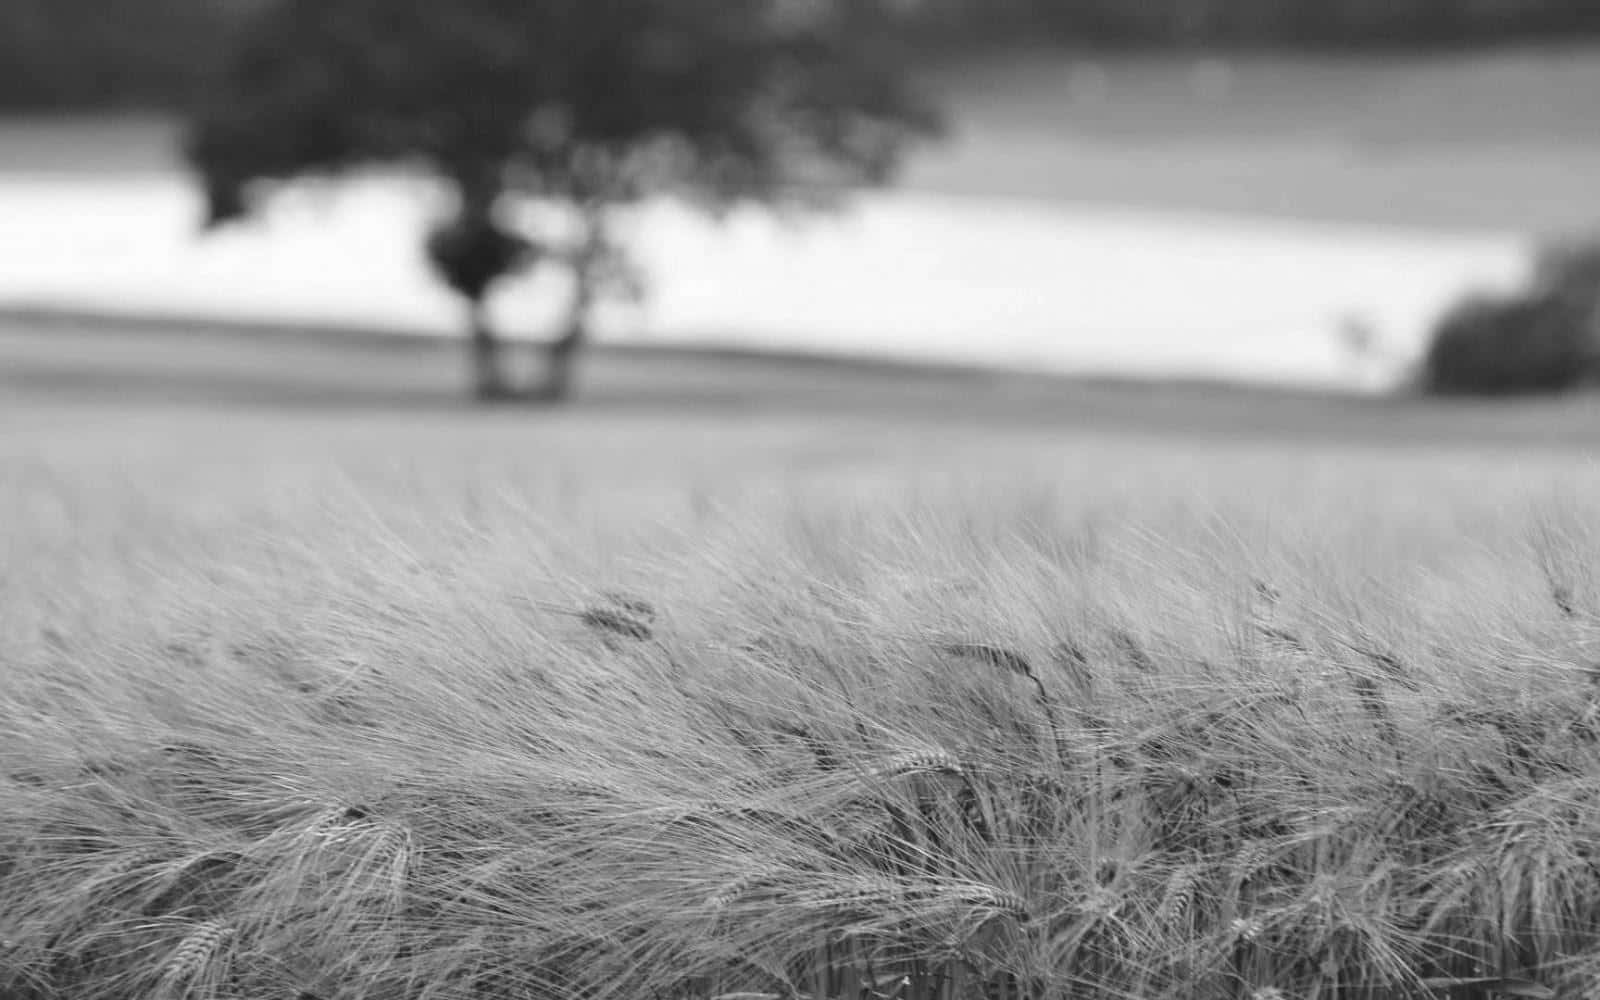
{"type": "Point", "coordinates": [1544, 338]}
{"type": "Point", "coordinates": [579, 105]}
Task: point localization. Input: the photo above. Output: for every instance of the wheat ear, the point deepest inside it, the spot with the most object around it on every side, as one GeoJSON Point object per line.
{"type": "Point", "coordinates": [198, 948]}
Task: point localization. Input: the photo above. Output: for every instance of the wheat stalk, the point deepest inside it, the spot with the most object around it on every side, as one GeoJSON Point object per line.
{"type": "Point", "coordinates": [867, 889]}
{"type": "Point", "coordinates": [1179, 895]}
{"type": "Point", "coordinates": [1388, 663]}
{"type": "Point", "coordinates": [392, 856]}
{"type": "Point", "coordinates": [337, 824]}
{"type": "Point", "coordinates": [919, 762]}
{"type": "Point", "coordinates": [990, 897]}
{"type": "Point", "coordinates": [192, 955]}
{"type": "Point", "coordinates": [627, 617]}
{"type": "Point", "coordinates": [126, 864]}
{"type": "Point", "coordinates": [1282, 638]}
{"type": "Point", "coordinates": [1369, 694]}
{"type": "Point", "coordinates": [1132, 651]}
{"type": "Point", "coordinates": [735, 890]}
{"type": "Point", "coordinates": [1246, 929]}
{"type": "Point", "coordinates": [1070, 657]}
{"type": "Point", "coordinates": [1016, 663]}
{"type": "Point", "coordinates": [1252, 857]}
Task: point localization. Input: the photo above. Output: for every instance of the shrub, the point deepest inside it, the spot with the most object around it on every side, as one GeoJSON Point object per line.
{"type": "Point", "coordinates": [1545, 339]}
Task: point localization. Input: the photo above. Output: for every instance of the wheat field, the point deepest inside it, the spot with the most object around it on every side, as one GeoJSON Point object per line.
{"type": "Point", "coordinates": [618, 705]}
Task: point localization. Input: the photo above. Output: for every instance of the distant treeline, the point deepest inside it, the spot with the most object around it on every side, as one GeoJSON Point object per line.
{"type": "Point", "coordinates": [102, 53]}
{"type": "Point", "coordinates": [1360, 23]}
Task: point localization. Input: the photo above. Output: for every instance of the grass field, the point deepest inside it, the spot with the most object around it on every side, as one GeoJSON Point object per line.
{"type": "Point", "coordinates": [751, 678]}
{"type": "Point", "coordinates": [880, 685]}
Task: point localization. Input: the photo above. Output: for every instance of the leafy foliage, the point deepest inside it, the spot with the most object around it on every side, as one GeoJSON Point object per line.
{"type": "Point", "coordinates": [584, 104]}
{"type": "Point", "coordinates": [1545, 339]}
{"type": "Point", "coordinates": [605, 99]}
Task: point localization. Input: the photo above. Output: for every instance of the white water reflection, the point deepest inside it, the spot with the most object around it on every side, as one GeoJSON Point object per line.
{"type": "Point", "coordinates": [1034, 284]}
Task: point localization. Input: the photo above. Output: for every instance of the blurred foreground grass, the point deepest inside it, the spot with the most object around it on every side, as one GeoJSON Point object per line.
{"type": "Point", "coordinates": [873, 686]}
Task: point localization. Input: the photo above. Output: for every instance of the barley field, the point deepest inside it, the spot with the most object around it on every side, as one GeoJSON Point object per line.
{"type": "Point", "coordinates": [882, 691]}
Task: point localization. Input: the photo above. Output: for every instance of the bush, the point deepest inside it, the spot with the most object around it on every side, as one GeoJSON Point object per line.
{"type": "Point", "coordinates": [1546, 339]}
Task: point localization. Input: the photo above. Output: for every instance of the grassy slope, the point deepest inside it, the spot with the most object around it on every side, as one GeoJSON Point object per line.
{"type": "Point", "coordinates": [140, 368]}
{"type": "Point", "coordinates": [300, 697]}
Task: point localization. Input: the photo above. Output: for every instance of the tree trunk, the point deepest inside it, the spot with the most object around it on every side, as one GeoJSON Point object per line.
{"type": "Point", "coordinates": [560, 354]}
{"type": "Point", "coordinates": [487, 379]}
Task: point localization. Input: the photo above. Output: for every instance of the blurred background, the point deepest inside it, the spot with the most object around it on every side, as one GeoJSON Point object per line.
{"type": "Point", "coordinates": [1356, 195]}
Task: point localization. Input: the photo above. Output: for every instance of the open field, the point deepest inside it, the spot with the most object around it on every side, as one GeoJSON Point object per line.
{"type": "Point", "coordinates": [53, 371]}
{"type": "Point", "coordinates": [956, 687]}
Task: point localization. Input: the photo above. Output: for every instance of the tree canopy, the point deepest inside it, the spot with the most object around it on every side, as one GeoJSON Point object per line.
{"type": "Point", "coordinates": [585, 104]}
